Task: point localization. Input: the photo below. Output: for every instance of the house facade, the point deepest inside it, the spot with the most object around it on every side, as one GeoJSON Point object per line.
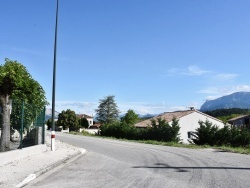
{"type": "Point", "coordinates": [89, 118]}
{"type": "Point", "coordinates": [240, 121]}
{"type": "Point", "coordinates": [188, 121]}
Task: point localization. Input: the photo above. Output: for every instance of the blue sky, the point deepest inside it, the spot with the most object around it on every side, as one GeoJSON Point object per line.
{"type": "Point", "coordinates": [154, 56]}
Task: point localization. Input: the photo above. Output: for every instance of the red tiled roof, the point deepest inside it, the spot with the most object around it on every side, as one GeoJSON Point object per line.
{"type": "Point", "coordinates": [84, 116]}
{"type": "Point", "coordinates": [168, 116]}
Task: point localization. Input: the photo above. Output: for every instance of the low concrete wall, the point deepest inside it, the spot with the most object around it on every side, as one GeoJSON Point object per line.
{"type": "Point", "coordinates": [10, 156]}
{"type": "Point", "coordinates": [91, 131]}
{"type": "Point", "coordinates": [65, 131]}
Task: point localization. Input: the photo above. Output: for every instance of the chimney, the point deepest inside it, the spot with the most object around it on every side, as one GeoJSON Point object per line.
{"type": "Point", "coordinates": [191, 108]}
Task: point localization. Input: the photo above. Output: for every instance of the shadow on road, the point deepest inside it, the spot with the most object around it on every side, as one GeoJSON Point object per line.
{"type": "Point", "coordinates": [186, 168]}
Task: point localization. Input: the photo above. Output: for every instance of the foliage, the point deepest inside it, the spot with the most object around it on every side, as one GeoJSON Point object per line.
{"type": "Point", "coordinates": [31, 112]}
{"type": "Point", "coordinates": [226, 114]}
{"type": "Point", "coordinates": [83, 133]}
{"type": "Point", "coordinates": [83, 122]}
{"type": "Point", "coordinates": [130, 118]}
{"type": "Point", "coordinates": [206, 133]}
{"type": "Point", "coordinates": [160, 131]}
{"type": "Point", "coordinates": [49, 123]}
{"type": "Point", "coordinates": [68, 119]}
{"type": "Point", "coordinates": [16, 83]}
{"type": "Point", "coordinates": [119, 130]}
{"type": "Point", "coordinates": [228, 136]}
{"type": "Point", "coordinates": [107, 111]}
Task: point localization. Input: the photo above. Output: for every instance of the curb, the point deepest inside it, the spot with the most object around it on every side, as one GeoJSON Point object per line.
{"type": "Point", "coordinates": [55, 166]}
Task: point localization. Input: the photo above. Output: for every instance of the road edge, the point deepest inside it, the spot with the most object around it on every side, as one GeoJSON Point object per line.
{"type": "Point", "coordinates": [53, 167]}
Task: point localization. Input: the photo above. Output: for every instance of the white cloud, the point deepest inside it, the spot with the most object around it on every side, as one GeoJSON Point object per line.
{"type": "Point", "coordinates": [139, 108]}
{"type": "Point", "coordinates": [216, 92]}
{"type": "Point", "coordinates": [242, 88]}
{"type": "Point", "coordinates": [225, 76]}
{"type": "Point", "coordinates": [193, 70]}
{"type": "Point", "coordinates": [79, 107]}
{"type": "Point", "coordinates": [196, 71]}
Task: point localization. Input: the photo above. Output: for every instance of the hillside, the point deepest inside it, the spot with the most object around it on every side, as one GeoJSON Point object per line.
{"type": "Point", "coordinates": [235, 100]}
{"type": "Point", "coordinates": [48, 114]}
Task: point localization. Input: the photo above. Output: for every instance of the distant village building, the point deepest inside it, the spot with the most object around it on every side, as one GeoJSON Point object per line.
{"type": "Point", "coordinates": [240, 121]}
{"type": "Point", "coordinates": [89, 118]}
{"type": "Point", "coordinates": [188, 121]}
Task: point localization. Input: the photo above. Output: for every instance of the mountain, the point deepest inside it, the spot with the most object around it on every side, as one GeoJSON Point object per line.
{"type": "Point", "coordinates": [48, 114]}
{"type": "Point", "coordinates": [235, 100]}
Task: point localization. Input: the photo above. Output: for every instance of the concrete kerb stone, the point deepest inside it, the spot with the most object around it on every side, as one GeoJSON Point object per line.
{"type": "Point", "coordinates": [60, 162]}
{"type": "Point", "coordinates": [20, 167]}
{"type": "Point", "coordinates": [53, 166]}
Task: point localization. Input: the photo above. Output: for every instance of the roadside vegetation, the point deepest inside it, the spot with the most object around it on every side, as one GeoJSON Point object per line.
{"type": "Point", "coordinates": [160, 132]}
{"type": "Point", "coordinates": [69, 120]}
{"type": "Point", "coordinates": [226, 114]}
{"type": "Point", "coordinates": [17, 88]}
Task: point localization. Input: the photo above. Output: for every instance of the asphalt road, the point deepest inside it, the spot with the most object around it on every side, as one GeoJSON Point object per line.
{"type": "Point", "coordinates": [112, 163]}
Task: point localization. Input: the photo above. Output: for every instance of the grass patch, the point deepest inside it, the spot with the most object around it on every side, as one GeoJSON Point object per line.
{"type": "Point", "coordinates": [83, 133]}
{"type": "Point", "coordinates": [240, 150]}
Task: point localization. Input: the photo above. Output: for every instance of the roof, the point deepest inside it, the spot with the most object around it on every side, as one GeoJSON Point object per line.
{"type": "Point", "coordinates": [96, 125]}
{"type": "Point", "coordinates": [238, 117]}
{"type": "Point", "coordinates": [168, 116]}
{"type": "Point", "coordinates": [84, 116]}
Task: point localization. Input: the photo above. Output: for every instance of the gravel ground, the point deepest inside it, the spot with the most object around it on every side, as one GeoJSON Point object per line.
{"type": "Point", "coordinates": [13, 173]}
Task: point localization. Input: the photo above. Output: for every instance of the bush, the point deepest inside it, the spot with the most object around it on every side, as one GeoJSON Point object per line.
{"type": "Point", "coordinates": [208, 134]}
{"type": "Point", "coordinates": [160, 131]}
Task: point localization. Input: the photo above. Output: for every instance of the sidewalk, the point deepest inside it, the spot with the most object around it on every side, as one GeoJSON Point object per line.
{"type": "Point", "coordinates": [21, 171]}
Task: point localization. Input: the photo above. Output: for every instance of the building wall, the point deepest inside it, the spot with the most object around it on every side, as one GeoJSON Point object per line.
{"type": "Point", "coordinates": [241, 121]}
{"type": "Point", "coordinates": [191, 122]}
{"type": "Point", "coordinates": [90, 120]}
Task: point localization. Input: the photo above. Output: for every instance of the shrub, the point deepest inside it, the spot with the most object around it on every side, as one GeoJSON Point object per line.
{"type": "Point", "coordinates": [208, 134]}
{"type": "Point", "coordinates": [160, 131]}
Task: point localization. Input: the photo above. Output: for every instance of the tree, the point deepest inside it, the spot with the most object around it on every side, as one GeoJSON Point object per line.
{"type": "Point", "coordinates": [84, 122]}
{"type": "Point", "coordinates": [49, 123]}
{"type": "Point", "coordinates": [16, 83]}
{"type": "Point", "coordinates": [68, 119]}
{"type": "Point", "coordinates": [107, 111]}
{"type": "Point", "coordinates": [161, 130]}
{"type": "Point", "coordinates": [130, 117]}
{"type": "Point", "coordinates": [206, 133]}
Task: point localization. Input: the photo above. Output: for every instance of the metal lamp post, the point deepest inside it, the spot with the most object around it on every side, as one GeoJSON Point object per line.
{"type": "Point", "coordinates": [54, 86]}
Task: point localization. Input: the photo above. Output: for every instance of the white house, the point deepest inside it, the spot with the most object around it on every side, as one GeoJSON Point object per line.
{"type": "Point", "coordinates": [89, 118]}
{"type": "Point", "coordinates": [188, 121]}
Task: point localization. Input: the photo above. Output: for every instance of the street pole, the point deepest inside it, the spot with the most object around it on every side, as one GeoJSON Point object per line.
{"type": "Point", "coordinates": [54, 86]}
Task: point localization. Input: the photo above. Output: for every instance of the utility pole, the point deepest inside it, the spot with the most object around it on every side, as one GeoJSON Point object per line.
{"type": "Point", "coordinates": [54, 86]}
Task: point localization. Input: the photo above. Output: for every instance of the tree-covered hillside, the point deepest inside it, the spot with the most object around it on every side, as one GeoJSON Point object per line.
{"type": "Point", "coordinates": [226, 114]}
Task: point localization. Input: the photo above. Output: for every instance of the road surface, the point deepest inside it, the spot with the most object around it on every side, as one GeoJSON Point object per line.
{"type": "Point", "coordinates": [112, 163]}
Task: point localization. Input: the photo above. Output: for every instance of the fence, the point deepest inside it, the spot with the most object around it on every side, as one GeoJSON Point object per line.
{"type": "Point", "coordinates": [27, 125]}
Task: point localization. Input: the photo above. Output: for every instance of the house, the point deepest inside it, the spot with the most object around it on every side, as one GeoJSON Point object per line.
{"type": "Point", "coordinates": [188, 121]}
{"type": "Point", "coordinates": [89, 118]}
{"type": "Point", "coordinates": [240, 121]}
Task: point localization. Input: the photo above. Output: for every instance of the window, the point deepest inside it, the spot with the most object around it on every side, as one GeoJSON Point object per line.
{"type": "Point", "coordinates": [191, 134]}
{"type": "Point", "coordinates": [246, 121]}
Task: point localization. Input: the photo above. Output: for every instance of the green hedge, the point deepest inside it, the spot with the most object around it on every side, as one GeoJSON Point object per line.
{"type": "Point", "coordinates": [159, 130]}
{"type": "Point", "coordinates": [208, 134]}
